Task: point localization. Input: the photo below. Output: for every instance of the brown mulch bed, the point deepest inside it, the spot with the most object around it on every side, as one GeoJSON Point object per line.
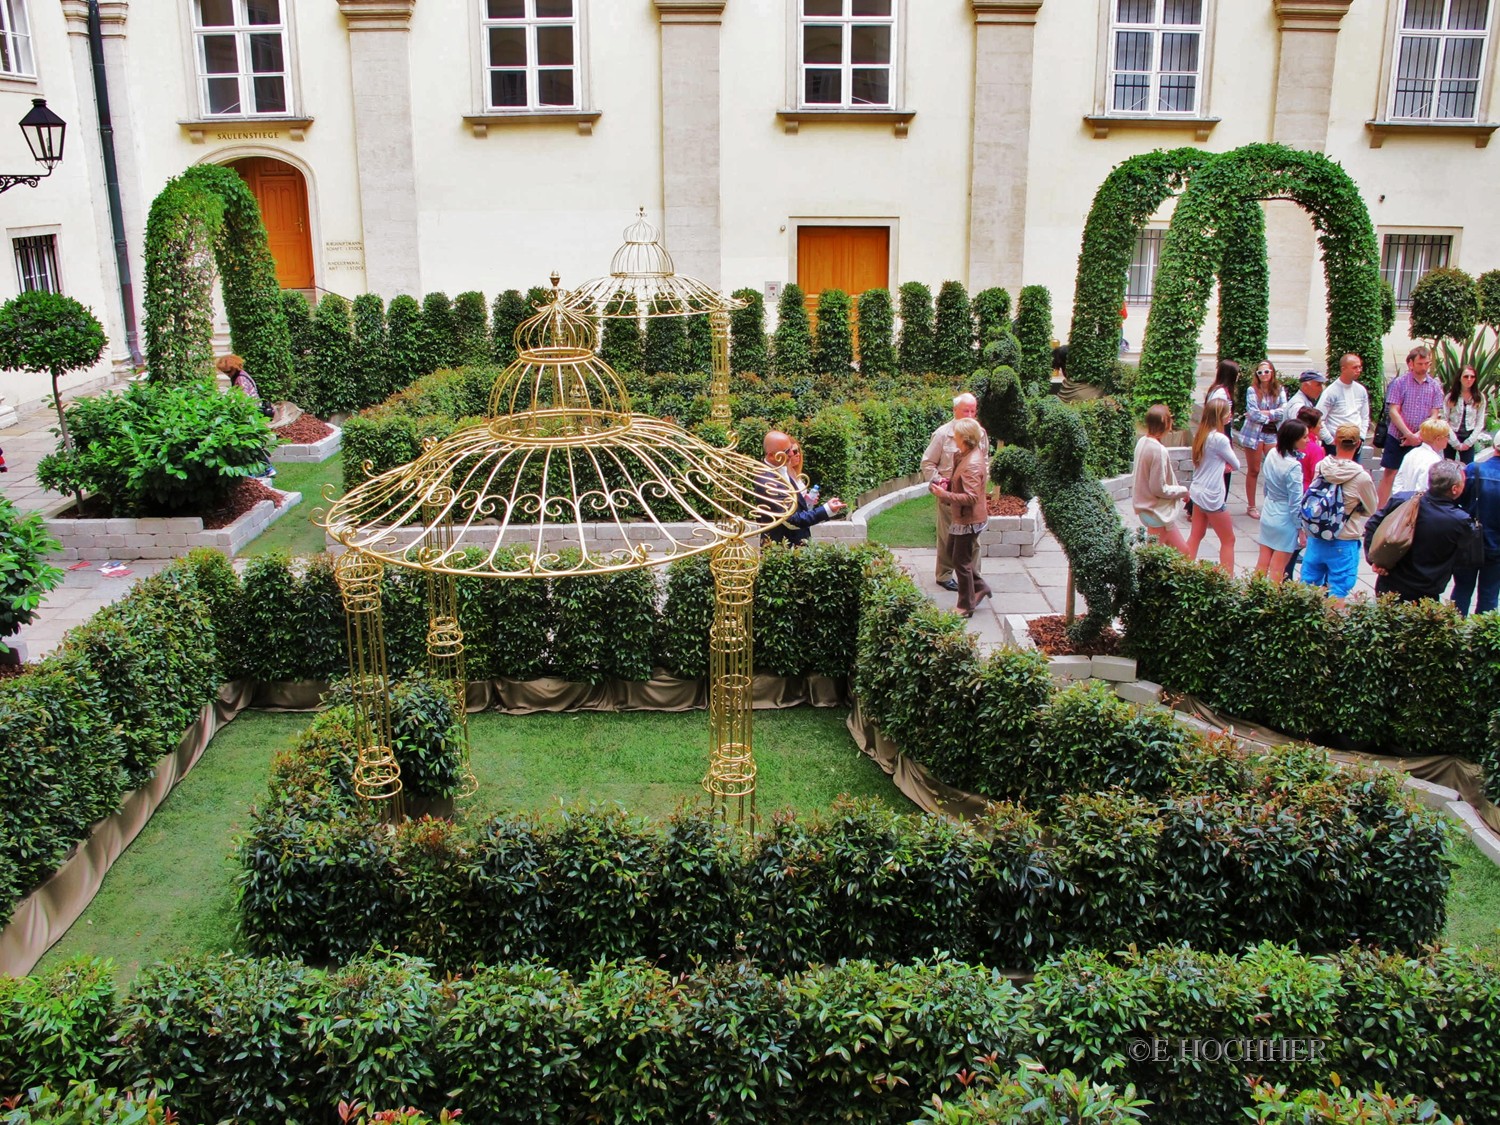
{"type": "Point", "coordinates": [247, 493]}
{"type": "Point", "coordinates": [1050, 634]}
{"type": "Point", "coordinates": [304, 431]}
{"type": "Point", "coordinates": [1002, 505]}
{"type": "Point", "coordinates": [9, 670]}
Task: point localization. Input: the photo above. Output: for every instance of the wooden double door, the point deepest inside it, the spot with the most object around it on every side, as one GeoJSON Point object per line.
{"type": "Point", "coordinates": [849, 258]}
{"type": "Point", "coordinates": [281, 191]}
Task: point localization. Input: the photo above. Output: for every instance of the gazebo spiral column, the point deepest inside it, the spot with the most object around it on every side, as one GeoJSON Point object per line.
{"type": "Point", "coordinates": [731, 681]}
{"type": "Point", "coordinates": [377, 777]}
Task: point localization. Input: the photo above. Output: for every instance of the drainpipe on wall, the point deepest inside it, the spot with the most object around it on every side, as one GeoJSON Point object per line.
{"type": "Point", "coordinates": [112, 183]}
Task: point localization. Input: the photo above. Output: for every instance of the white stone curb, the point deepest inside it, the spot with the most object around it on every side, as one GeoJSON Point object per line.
{"type": "Point", "coordinates": [309, 452]}
{"type": "Point", "coordinates": [1006, 536]}
{"type": "Point", "coordinates": [125, 539]}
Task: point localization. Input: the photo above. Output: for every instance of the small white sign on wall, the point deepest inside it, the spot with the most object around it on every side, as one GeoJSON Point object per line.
{"type": "Point", "coordinates": [773, 290]}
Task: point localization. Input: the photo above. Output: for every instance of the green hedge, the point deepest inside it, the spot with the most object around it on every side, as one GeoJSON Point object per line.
{"type": "Point", "coordinates": [274, 1041]}
{"type": "Point", "coordinates": [89, 722]}
{"type": "Point", "coordinates": [1374, 689]}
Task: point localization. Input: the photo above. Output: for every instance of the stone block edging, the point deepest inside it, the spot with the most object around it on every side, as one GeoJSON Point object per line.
{"type": "Point", "coordinates": [1071, 669]}
{"type": "Point", "coordinates": [309, 452]}
{"type": "Point", "coordinates": [1006, 536]}
{"type": "Point", "coordinates": [124, 539]}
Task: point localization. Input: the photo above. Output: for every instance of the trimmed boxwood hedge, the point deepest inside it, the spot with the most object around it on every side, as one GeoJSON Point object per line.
{"type": "Point", "coordinates": [275, 1041]}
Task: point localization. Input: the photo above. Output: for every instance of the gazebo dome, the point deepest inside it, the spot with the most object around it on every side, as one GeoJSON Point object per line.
{"type": "Point", "coordinates": [642, 270]}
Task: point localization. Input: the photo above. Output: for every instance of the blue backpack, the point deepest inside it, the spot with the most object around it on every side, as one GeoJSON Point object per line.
{"type": "Point", "coordinates": [1323, 508]}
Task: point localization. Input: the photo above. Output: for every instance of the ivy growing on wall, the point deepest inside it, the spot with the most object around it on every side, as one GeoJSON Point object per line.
{"type": "Point", "coordinates": [1193, 251]}
{"type": "Point", "coordinates": [1127, 198]}
{"type": "Point", "coordinates": [877, 356]}
{"type": "Point", "coordinates": [833, 348]}
{"type": "Point", "coordinates": [747, 334]}
{"type": "Point", "coordinates": [915, 352]}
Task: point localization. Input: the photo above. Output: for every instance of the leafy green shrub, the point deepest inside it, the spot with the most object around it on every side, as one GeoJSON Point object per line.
{"type": "Point", "coordinates": [1031, 1096]}
{"type": "Point", "coordinates": [833, 344]}
{"type": "Point", "coordinates": [84, 1103]}
{"type": "Point", "coordinates": [747, 334]}
{"type": "Point", "coordinates": [436, 336]}
{"type": "Point", "coordinates": [405, 361]}
{"type": "Point", "coordinates": [25, 574]}
{"type": "Point", "coordinates": [991, 314]}
{"type": "Point", "coordinates": [298, 317]}
{"type": "Point", "coordinates": [698, 344]}
{"type": "Point", "coordinates": [47, 332]}
{"type": "Point", "coordinates": [621, 344]}
{"type": "Point", "coordinates": [792, 343]}
{"type": "Point", "coordinates": [54, 1029]}
{"type": "Point", "coordinates": [1487, 289]}
{"type": "Point", "coordinates": [953, 334]}
{"type": "Point", "coordinates": [877, 356]}
{"type": "Point", "coordinates": [335, 385]}
{"type": "Point", "coordinates": [687, 615]}
{"type": "Point", "coordinates": [1244, 288]}
{"type": "Point", "coordinates": [316, 772]}
{"type": "Point", "coordinates": [1340, 1106]}
{"type": "Point", "coordinates": [665, 346]}
{"type": "Point", "coordinates": [1388, 306]}
{"type": "Point", "coordinates": [371, 363]}
{"type": "Point", "coordinates": [506, 316]}
{"type": "Point", "coordinates": [426, 734]}
{"type": "Point", "coordinates": [159, 449]}
{"type": "Point", "coordinates": [1444, 305]}
{"type": "Point", "coordinates": [471, 330]}
{"type": "Point", "coordinates": [1033, 329]}
{"type": "Point", "coordinates": [915, 351]}
{"type": "Point", "coordinates": [1112, 436]}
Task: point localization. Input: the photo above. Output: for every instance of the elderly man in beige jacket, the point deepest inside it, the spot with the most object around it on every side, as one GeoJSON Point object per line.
{"type": "Point", "coordinates": [937, 463]}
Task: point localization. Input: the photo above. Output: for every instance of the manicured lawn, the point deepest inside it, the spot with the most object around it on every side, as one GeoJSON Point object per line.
{"type": "Point", "coordinates": [172, 892]}
{"type": "Point", "coordinates": [295, 533]}
{"type": "Point", "coordinates": [911, 523]}
{"type": "Point", "coordinates": [1474, 902]}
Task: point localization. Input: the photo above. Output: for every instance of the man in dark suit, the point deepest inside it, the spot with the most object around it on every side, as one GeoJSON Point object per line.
{"type": "Point", "coordinates": [1445, 538]}
{"type": "Point", "coordinates": [782, 475]}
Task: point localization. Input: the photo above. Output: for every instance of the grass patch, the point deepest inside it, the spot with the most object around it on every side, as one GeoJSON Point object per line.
{"type": "Point", "coordinates": [1474, 901]}
{"type": "Point", "coordinates": [173, 891]}
{"type": "Point", "coordinates": [295, 533]}
{"type": "Point", "coordinates": [911, 523]}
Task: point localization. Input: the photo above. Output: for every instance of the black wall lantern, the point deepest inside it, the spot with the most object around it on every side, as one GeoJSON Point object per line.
{"type": "Point", "coordinates": [44, 132]}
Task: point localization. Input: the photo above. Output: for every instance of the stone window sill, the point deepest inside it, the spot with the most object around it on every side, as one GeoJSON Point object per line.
{"type": "Point", "coordinates": [479, 123]}
{"type": "Point", "coordinates": [1479, 130]}
{"type": "Point", "coordinates": [1102, 123]}
{"type": "Point", "coordinates": [20, 84]}
{"type": "Point", "coordinates": [246, 128]}
{"type": "Point", "coordinates": [898, 119]}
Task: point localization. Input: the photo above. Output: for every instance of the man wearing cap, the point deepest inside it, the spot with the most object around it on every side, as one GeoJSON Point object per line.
{"type": "Point", "coordinates": [1345, 403]}
{"type": "Point", "coordinates": [1307, 395]}
{"type": "Point", "coordinates": [1413, 398]}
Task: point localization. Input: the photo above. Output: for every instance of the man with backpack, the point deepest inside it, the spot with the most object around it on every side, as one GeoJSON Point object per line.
{"type": "Point", "coordinates": [1334, 510]}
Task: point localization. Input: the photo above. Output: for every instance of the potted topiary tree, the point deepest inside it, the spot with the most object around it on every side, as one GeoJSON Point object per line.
{"type": "Point", "coordinates": [49, 332]}
{"type": "Point", "coordinates": [25, 574]}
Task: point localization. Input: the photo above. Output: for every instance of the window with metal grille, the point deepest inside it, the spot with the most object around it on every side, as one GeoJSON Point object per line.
{"type": "Point", "coordinates": [241, 49]}
{"type": "Point", "coordinates": [531, 54]}
{"type": "Point", "coordinates": [1440, 58]}
{"type": "Point", "coordinates": [1404, 258]}
{"type": "Point", "coordinates": [15, 39]}
{"type": "Point", "coordinates": [36, 263]}
{"type": "Point", "coordinates": [847, 52]}
{"type": "Point", "coordinates": [1156, 56]}
{"type": "Point", "coordinates": [1142, 276]}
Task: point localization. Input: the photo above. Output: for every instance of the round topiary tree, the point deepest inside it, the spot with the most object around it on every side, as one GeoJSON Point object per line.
{"type": "Point", "coordinates": [1444, 305]}
{"type": "Point", "coordinates": [1193, 253]}
{"type": "Point", "coordinates": [47, 332]}
{"type": "Point", "coordinates": [1128, 197]}
{"type": "Point", "coordinates": [1388, 307]}
{"type": "Point", "coordinates": [833, 344]}
{"type": "Point", "coordinates": [1487, 286]}
{"type": "Point", "coordinates": [25, 574]}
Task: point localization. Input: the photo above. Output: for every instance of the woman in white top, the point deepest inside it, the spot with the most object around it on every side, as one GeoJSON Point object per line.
{"type": "Point", "coordinates": [1213, 460]}
{"type": "Point", "coordinates": [1465, 415]}
{"type": "Point", "coordinates": [1265, 410]}
{"type": "Point", "coordinates": [1413, 474]}
{"type": "Point", "coordinates": [1157, 495]}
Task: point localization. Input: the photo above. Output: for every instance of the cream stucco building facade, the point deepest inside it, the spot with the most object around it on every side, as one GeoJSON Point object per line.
{"type": "Point", "coordinates": [405, 146]}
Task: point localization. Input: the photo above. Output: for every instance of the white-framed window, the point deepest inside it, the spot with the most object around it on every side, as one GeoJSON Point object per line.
{"type": "Point", "coordinates": [1438, 69]}
{"type": "Point", "coordinates": [1404, 258]}
{"type": "Point", "coordinates": [1156, 56]}
{"type": "Point", "coordinates": [1141, 278]}
{"type": "Point", "coordinates": [36, 263]}
{"type": "Point", "coordinates": [846, 53]}
{"type": "Point", "coordinates": [15, 39]}
{"type": "Point", "coordinates": [242, 57]}
{"type": "Point", "coordinates": [531, 54]}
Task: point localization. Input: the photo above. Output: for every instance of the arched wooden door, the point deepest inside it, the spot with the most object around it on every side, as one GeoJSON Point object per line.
{"type": "Point", "coordinates": [282, 194]}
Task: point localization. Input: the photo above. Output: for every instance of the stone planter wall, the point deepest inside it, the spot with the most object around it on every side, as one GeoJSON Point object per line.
{"type": "Point", "coordinates": [1006, 536]}
{"type": "Point", "coordinates": [125, 539]}
{"type": "Point", "coordinates": [303, 453]}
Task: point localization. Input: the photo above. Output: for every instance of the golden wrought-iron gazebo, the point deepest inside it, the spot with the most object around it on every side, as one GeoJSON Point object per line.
{"type": "Point", "coordinates": [563, 472]}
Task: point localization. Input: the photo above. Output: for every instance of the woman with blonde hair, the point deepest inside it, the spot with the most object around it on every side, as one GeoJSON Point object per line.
{"type": "Point", "coordinates": [1157, 495]}
{"type": "Point", "coordinates": [1213, 460]}
{"type": "Point", "coordinates": [1265, 410]}
{"type": "Point", "coordinates": [964, 493]}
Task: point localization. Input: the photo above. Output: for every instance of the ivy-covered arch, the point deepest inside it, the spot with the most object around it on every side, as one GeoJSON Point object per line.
{"type": "Point", "coordinates": [204, 223]}
{"type": "Point", "coordinates": [1132, 192]}
{"type": "Point", "coordinates": [1194, 252]}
